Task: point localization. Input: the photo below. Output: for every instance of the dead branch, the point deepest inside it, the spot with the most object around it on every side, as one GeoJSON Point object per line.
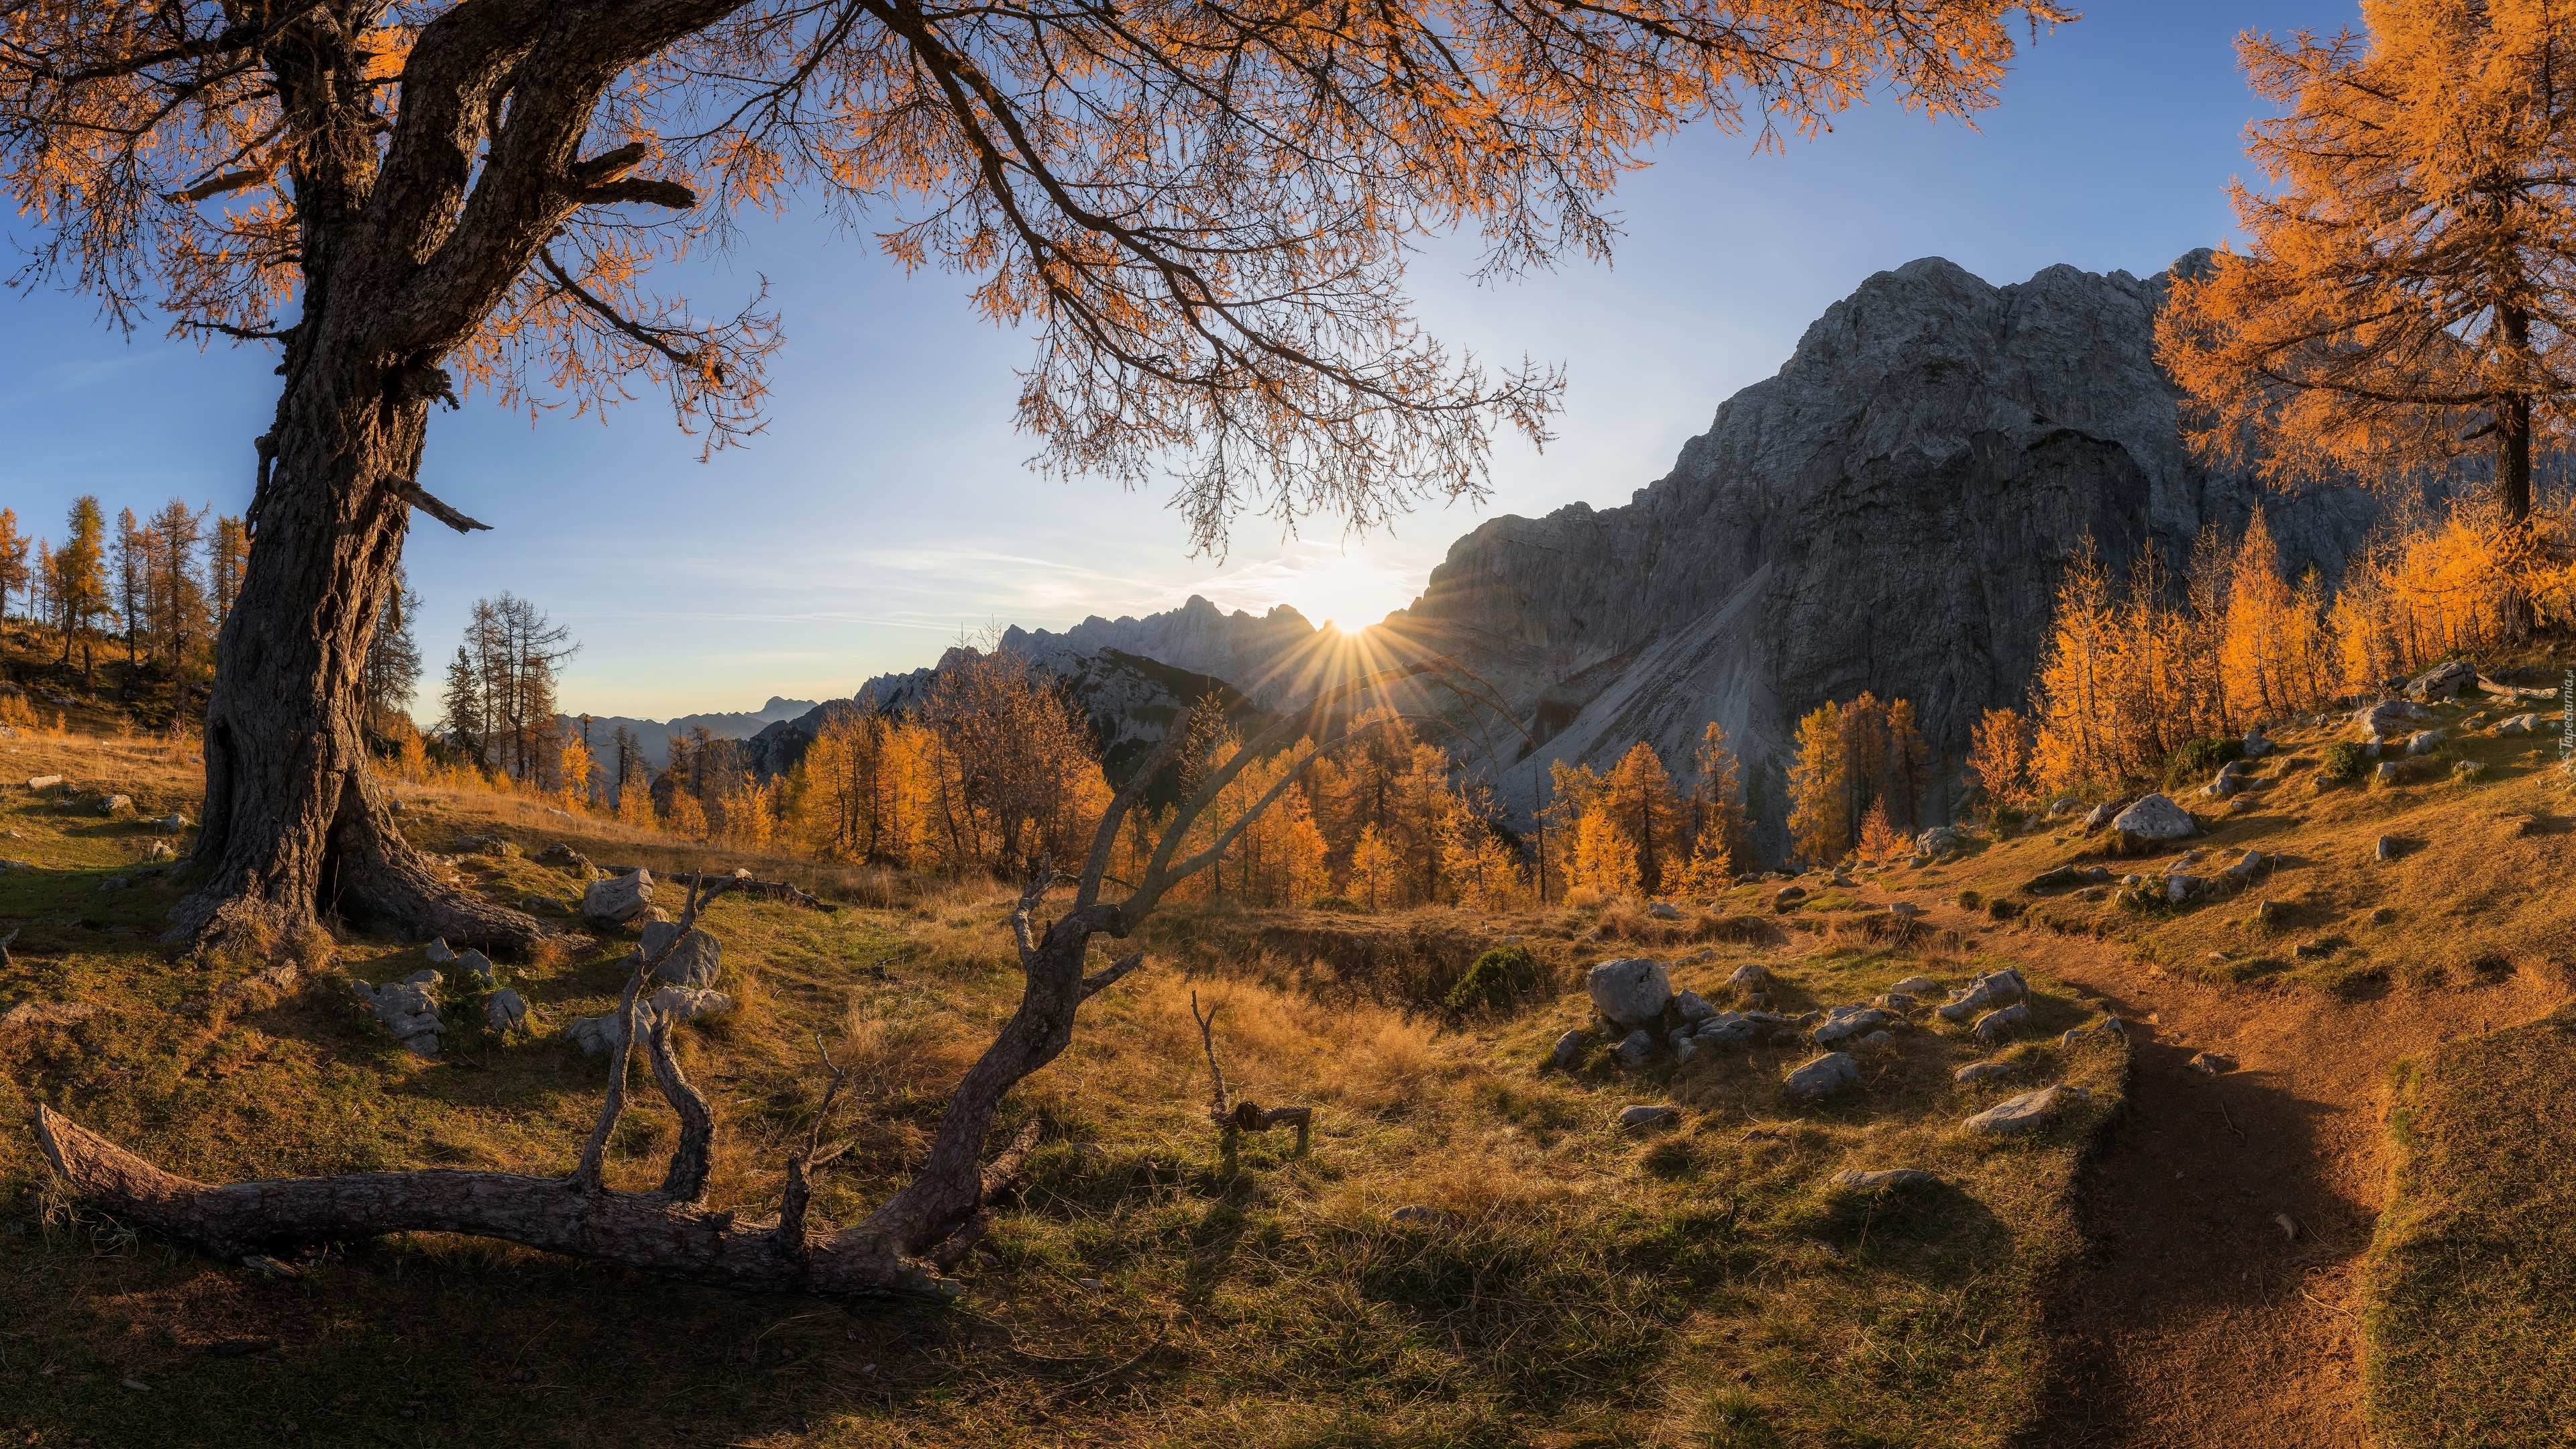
{"type": "Point", "coordinates": [1207, 1039]}
{"type": "Point", "coordinates": [419, 497]}
{"type": "Point", "coordinates": [1245, 1116]}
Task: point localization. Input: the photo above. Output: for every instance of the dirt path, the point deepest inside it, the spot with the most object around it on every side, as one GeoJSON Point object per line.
{"type": "Point", "coordinates": [2197, 1320]}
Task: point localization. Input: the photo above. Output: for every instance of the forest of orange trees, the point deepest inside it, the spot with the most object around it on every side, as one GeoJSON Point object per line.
{"type": "Point", "coordinates": [2142, 664]}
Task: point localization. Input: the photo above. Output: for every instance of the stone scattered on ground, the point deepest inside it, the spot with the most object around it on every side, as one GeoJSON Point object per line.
{"type": "Point", "coordinates": [114, 883]}
{"type": "Point", "coordinates": [1916, 986]}
{"type": "Point", "coordinates": [1788, 895]}
{"type": "Point", "coordinates": [1983, 992]}
{"type": "Point", "coordinates": [506, 1010]}
{"type": "Point", "coordinates": [2386, 849]}
{"type": "Point", "coordinates": [408, 1008]}
{"type": "Point", "coordinates": [2112, 1027]}
{"type": "Point", "coordinates": [2425, 742]}
{"type": "Point", "coordinates": [439, 952]}
{"type": "Point", "coordinates": [1939, 840]}
{"type": "Point", "coordinates": [2444, 680]}
{"type": "Point", "coordinates": [1664, 911]}
{"type": "Point", "coordinates": [1641, 1117]}
{"type": "Point", "coordinates": [2521, 724]}
{"type": "Point", "coordinates": [1904, 910]}
{"type": "Point", "coordinates": [115, 805]}
{"type": "Point", "coordinates": [1822, 1076]}
{"type": "Point", "coordinates": [1631, 991]}
{"type": "Point", "coordinates": [1429, 1217]}
{"type": "Point", "coordinates": [1893, 1177]}
{"type": "Point", "coordinates": [618, 899]}
{"type": "Point", "coordinates": [697, 961]}
{"type": "Point", "coordinates": [2208, 1065]}
{"type": "Point", "coordinates": [2030, 1110]}
{"type": "Point", "coordinates": [2245, 866]}
{"type": "Point", "coordinates": [1569, 1049]}
{"type": "Point", "coordinates": [2390, 717]}
{"type": "Point", "coordinates": [1636, 1049]}
{"type": "Point", "coordinates": [1983, 1071]}
{"type": "Point", "coordinates": [2180, 888]}
{"type": "Point", "coordinates": [477, 963]}
{"type": "Point", "coordinates": [2102, 814]}
{"type": "Point", "coordinates": [44, 782]}
{"type": "Point", "coordinates": [2256, 747]}
{"type": "Point", "coordinates": [2155, 818]}
{"type": "Point", "coordinates": [1997, 1024]}
{"type": "Point", "coordinates": [563, 857]}
{"type": "Point", "coordinates": [1750, 976]}
{"type": "Point", "coordinates": [172, 821]}
{"type": "Point", "coordinates": [1693, 1006]}
{"type": "Point", "coordinates": [680, 1003]}
{"type": "Point", "coordinates": [1842, 1023]}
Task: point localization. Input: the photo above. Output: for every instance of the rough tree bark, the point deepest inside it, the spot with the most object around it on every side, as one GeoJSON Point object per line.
{"type": "Point", "coordinates": [904, 1246]}
{"type": "Point", "coordinates": [402, 259]}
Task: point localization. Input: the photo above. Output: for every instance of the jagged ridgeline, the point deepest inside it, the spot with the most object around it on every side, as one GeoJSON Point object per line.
{"type": "Point", "coordinates": [1892, 512]}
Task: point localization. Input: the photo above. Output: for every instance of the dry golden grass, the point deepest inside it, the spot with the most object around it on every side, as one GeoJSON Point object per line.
{"type": "Point", "coordinates": [1697, 1286]}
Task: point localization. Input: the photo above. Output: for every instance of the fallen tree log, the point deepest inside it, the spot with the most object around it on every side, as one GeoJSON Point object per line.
{"type": "Point", "coordinates": [905, 1246]}
{"type": "Point", "coordinates": [776, 890]}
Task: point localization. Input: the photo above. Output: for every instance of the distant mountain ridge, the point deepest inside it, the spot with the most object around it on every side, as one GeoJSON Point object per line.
{"type": "Point", "coordinates": [1891, 512]}
{"type": "Point", "coordinates": [739, 725]}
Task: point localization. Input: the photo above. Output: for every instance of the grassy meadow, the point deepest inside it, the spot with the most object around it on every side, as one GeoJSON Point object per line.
{"type": "Point", "coordinates": [1573, 1284]}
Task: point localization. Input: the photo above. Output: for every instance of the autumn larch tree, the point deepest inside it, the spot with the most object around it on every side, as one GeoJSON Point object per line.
{"type": "Point", "coordinates": [2405, 289]}
{"type": "Point", "coordinates": [1200, 213]}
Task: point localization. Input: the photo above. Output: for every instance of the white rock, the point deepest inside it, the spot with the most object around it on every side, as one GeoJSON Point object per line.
{"type": "Point", "coordinates": [1693, 1006]}
{"type": "Point", "coordinates": [1822, 1076]}
{"type": "Point", "coordinates": [1983, 992]}
{"type": "Point", "coordinates": [2256, 747]}
{"type": "Point", "coordinates": [2521, 724]}
{"type": "Point", "coordinates": [1636, 1049]}
{"type": "Point", "coordinates": [2025, 1112]}
{"type": "Point", "coordinates": [1905, 909]}
{"type": "Point", "coordinates": [2388, 773]}
{"type": "Point", "coordinates": [1750, 975]}
{"type": "Point", "coordinates": [1916, 986]}
{"type": "Point", "coordinates": [1893, 1177]}
{"type": "Point", "coordinates": [1631, 991]}
{"type": "Point", "coordinates": [1569, 1049]}
{"type": "Point", "coordinates": [409, 1009]}
{"type": "Point", "coordinates": [2443, 680]}
{"type": "Point", "coordinates": [2063, 805]}
{"type": "Point", "coordinates": [114, 804]}
{"type": "Point", "coordinates": [2155, 818]}
{"type": "Point", "coordinates": [1995, 1025]}
{"type": "Point", "coordinates": [1845, 1022]}
{"type": "Point", "coordinates": [505, 1010]}
{"type": "Point", "coordinates": [1983, 1071]}
{"type": "Point", "coordinates": [618, 899]}
{"type": "Point", "coordinates": [2180, 888]}
{"type": "Point", "coordinates": [2386, 849]}
{"type": "Point", "coordinates": [1664, 911]}
{"type": "Point", "coordinates": [2390, 717]}
{"type": "Point", "coordinates": [44, 782]}
{"type": "Point", "coordinates": [697, 962]}
{"type": "Point", "coordinates": [439, 952]}
{"type": "Point", "coordinates": [683, 1004]}
{"type": "Point", "coordinates": [2425, 742]}
{"type": "Point", "coordinates": [479, 964]}
{"type": "Point", "coordinates": [1938, 840]}
{"type": "Point", "coordinates": [2101, 815]}
{"type": "Point", "coordinates": [1639, 1118]}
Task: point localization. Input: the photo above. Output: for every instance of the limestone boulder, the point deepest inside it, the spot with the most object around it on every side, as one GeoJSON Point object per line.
{"type": "Point", "coordinates": [1631, 991]}
{"type": "Point", "coordinates": [2155, 818]}
{"type": "Point", "coordinates": [2025, 1113]}
{"type": "Point", "coordinates": [1822, 1076]}
{"type": "Point", "coordinates": [618, 899]}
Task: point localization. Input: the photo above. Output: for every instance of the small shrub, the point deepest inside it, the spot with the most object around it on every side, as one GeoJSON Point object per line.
{"type": "Point", "coordinates": [1670, 1157]}
{"type": "Point", "coordinates": [2006, 820]}
{"type": "Point", "coordinates": [2200, 757]}
{"type": "Point", "coordinates": [1497, 979]}
{"type": "Point", "coordinates": [2343, 761]}
{"type": "Point", "coordinates": [2467, 771]}
{"type": "Point", "coordinates": [1582, 898]}
{"type": "Point", "coordinates": [2003, 910]}
{"type": "Point", "coordinates": [1970, 900]}
{"type": "Point", "coordinates": [1343, 904]}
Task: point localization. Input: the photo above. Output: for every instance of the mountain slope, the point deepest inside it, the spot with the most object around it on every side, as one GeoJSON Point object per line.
{"type": "Point", "coordinates": [1891, 512]}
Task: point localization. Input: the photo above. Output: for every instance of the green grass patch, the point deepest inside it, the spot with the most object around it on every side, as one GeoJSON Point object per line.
{"type": "Point", "coordinates": [2470, 1304]}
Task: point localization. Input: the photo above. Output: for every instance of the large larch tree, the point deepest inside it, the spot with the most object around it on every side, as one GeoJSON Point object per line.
{"type": "Point", "coordinates": [2405, 292]}
{"type": "Point", "coordinates": [1199, 212]}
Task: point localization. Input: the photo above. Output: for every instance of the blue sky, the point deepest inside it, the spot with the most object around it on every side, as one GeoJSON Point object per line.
{"type": "Point", "coordinates": [886, 508]}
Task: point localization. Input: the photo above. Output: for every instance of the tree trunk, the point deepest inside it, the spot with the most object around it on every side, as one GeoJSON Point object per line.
{"type": "Point", "coordinates": [2513, 459]}
{"type": "Point", "coordinates": [296, 827]}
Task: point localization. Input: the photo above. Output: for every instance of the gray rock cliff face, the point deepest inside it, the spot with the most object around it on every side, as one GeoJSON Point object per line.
{"type": "Point", "coordinates": [1891, 512]}
{"type": "Point", "coordinates": [1257, 654]}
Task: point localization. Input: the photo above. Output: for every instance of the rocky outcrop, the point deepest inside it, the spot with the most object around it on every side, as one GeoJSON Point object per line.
{"type": "Point", "coordinates": [1892, 512]}
{"type": "Point", "coordinates": [1267, 656]}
